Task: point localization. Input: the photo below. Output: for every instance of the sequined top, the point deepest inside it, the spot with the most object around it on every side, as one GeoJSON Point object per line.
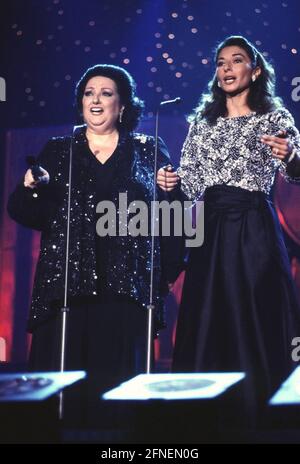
{"type": "Point", "coordinates": [45, 209]}
{"type": "Point", "coordinates": [231, 153]}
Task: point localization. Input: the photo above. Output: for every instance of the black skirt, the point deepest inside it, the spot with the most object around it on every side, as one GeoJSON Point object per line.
{"type": "Point", "coordinates": [106, 337]}
{"type": "Point", "coordinates": [239, 309]}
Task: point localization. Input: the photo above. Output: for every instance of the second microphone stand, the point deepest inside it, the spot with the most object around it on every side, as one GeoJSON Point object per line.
{"type": "Point", "coordinates": [151, 306]}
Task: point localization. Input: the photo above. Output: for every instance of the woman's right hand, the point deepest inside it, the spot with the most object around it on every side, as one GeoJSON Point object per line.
{"type": "Point", "coordinates": [31, 183]}
{"type": "Point", "coordinates": [167, 179]}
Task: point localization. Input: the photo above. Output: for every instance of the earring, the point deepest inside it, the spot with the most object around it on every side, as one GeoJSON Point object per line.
{"type": "Point", "coordinates": [121, 115]}
{"type": "Point", "coordinates": [253, 78]}
{"type": "Point", "coordinates": [219, 84]}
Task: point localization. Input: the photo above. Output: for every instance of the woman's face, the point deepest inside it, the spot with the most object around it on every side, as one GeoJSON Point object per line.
{"type": "Point", "coordinates": [234, 69]}
{"type": "Point", "coordinates": [101, 104]}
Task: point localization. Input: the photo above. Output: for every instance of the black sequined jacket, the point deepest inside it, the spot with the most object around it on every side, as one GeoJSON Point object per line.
{"type": "Point", "coordinates": [45, 209]}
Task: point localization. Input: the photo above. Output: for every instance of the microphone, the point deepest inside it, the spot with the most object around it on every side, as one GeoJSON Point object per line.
{"type": "Point", "coordinates": [35, 167]}
{"type": "Point", "coordinates": [288, 131]}
{"type": "Point", "coordinates": [170, 102]}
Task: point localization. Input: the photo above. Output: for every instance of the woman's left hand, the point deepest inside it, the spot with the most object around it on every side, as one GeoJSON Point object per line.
{"type": "Point", "coordinates": [281, 146]}
{"type": "Point", "coordinates": [167, 179]}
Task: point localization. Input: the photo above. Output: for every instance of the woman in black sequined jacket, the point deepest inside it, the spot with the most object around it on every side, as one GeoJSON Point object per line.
{"type": "Point", "coordinates": [45, 209]}
{"type": "Point", "coordinates": [109, 276]}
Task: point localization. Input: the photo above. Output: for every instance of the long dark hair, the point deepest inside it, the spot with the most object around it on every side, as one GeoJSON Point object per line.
{"type": "Point", "coordinates": [261, 97]}
{"type": "Point", "coordinates": [126, 88]}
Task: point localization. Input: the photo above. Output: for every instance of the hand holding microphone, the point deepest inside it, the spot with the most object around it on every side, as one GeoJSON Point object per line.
{"type": "Point", "coordinates": [281, 146]}
{"type": "Point", "coordinates": [35, 175]}
{"type": "Point", "coordinates": [167, 178]}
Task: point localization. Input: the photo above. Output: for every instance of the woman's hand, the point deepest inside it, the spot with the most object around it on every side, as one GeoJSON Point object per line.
{"type": "Point", "coordinates": [280, 144]}
{"type": "Point", "coordinates": [167, 179]}
{"type": "Point", "coordinates": [31, 183]}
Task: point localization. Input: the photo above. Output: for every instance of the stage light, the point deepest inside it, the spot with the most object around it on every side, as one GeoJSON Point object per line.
{"type": "Point", "coordinates": [175, 386]}
{"type": "Point", "coordinates": [289, 391]}
{"type": "Point", "coordinates": [35, 386]}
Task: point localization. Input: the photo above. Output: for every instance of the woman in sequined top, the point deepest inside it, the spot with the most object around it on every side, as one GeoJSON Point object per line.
{"type": "Point", "coordinates": [109, 275]}
{"type": "Point", "coordinates": [239, 309]}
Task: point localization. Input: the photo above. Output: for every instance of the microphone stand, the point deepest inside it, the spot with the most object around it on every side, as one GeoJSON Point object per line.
{"type": "Point", "coordinates": [65, 309]}
{"type": "Point", "coordinates": [151, 306]}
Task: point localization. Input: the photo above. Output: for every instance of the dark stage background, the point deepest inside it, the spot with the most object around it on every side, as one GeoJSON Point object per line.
{"type": "Point", "coordinates": [46, 45]}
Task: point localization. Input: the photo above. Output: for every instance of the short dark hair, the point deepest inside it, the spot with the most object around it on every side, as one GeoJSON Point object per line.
{"type": "Point", "coordinates": [126, 88]}
{"type": "Point", "coordinates": [261, 97]}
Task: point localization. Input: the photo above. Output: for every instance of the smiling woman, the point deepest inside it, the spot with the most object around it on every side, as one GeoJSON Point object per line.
{"type": "Point", "coordinates": [109, 276]}
{"type": "Point", "coordinates": [101, 109]}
